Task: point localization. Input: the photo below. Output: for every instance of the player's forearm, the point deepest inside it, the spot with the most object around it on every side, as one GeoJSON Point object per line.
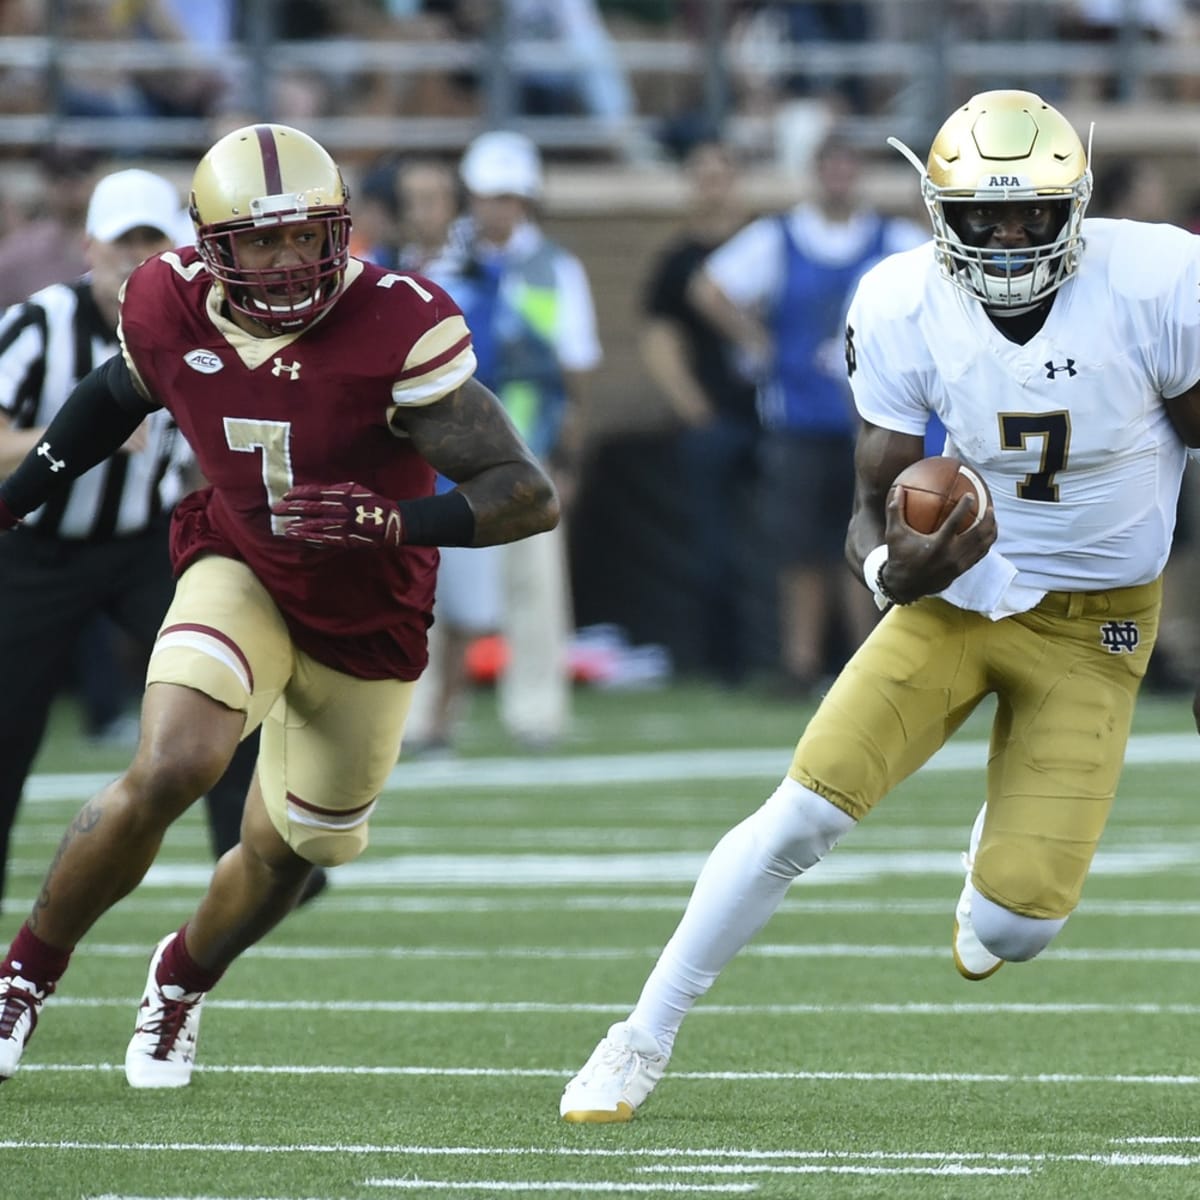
{"type": "Point", "coordinates": [865, 532]}
{"type": "Point", "coordinates": [511, 501]}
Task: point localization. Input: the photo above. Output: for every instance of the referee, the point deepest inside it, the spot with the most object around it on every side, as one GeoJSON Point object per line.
{"type": "Point", "coordinates": [100, 546]}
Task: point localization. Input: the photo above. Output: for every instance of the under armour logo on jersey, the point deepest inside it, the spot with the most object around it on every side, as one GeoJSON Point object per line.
{"type": "Point", "coordinates": [362, 515]}
{"type": "Point", "coordinates": [1052, 369]}
{"type": "Point", "coordinates": [292, 369]}
{"type": "Point", "coordinates": [1120, 637]}
{"type": "Point", "coordinates": [56, 464]}
{"type": "Point", "coordinates": [851, 354]}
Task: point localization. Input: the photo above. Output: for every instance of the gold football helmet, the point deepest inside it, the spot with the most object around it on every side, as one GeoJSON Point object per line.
{"type": "Point", "coordinates": [1006, 147]}
{"type": "Point", "coordinates": [265, 175]}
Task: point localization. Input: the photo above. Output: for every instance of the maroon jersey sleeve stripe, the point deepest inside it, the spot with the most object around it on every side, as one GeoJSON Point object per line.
{"type": "Point", "coordinates": [431, 364]}
{"type": "Point", "coordinates": [270, 157]}
{"type": "Point", "coordinates": [327, 812]}
{"type": "Point", "coordinates": [216, 635]}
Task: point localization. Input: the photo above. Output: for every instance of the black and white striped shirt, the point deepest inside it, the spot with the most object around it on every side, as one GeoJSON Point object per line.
{"type": "Point", "coordinates": [47, 344]}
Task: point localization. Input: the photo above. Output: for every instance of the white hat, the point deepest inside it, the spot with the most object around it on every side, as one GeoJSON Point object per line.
{"type": "Point", "coordinates": [502, 163]}
{"type": "Point", "coordinates": [129, 199]}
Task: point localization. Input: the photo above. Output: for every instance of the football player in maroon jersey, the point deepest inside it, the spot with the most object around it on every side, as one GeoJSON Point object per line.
{"type": "Point", "coordinates": [320, 394]}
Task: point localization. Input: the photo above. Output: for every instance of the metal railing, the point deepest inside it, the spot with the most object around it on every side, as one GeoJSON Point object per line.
{"type": "Point", "coordinates": [921, 76]}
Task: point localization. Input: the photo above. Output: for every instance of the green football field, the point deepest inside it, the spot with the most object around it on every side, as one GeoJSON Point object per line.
{"type": "Point", "coordinates": [409, 1033]}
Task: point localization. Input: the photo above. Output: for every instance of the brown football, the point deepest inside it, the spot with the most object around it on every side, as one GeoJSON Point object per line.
{"type": "Point", "coordinates": [932, 488]}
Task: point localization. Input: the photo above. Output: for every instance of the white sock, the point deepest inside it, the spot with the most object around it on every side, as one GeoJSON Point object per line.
{"type": "Point", "coordinates": [1009, 935]}
{"type": "Point", "coordinates": [741, 885]}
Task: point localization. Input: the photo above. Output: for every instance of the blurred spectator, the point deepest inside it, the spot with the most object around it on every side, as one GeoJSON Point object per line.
{"type": "Point", "coordinates": [107, 678]}
{"type": "Point", "coordinates": [100, 546]}
{"type": "Point", "coordinates": [1103, 21]}
{"type": "Point", "coordinates": [430, 200]}
{"type": "Point", "coordinates": [802, 23]}
{"type": "Point", "coordinates": [211, 28]}
{"type": "Point", "coordinates": [777, 104]}
{"type": "Point", "coordinates": [49, 247]}
{"type": "Point", "coordinates": [467, 603]}
{"type": "Point", "coordinates": [692, 363]}
{"type": "Point", "coordinates": [579, 74]}
{"type": "Point", "coordinates": [22, 88]}
{"type": "Point", "coordinates": [103, 91]}
{"type": "Point", "coordinates": [375, 233]}
{"type": "Point", "coordinates": [1133, 188]}
{"type": "Point", "coordinates": [529, 307]}
{"type": "Point", "coordinates": [299, 94]}
{"type": "Point", "coordinates": [780, 288]}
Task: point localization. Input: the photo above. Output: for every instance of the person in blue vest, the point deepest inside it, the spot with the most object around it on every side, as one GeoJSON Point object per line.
{"type": "Point", "coordinates": [438, 243]}
{"type": "Point", "coordinates": [779, 288]}
{"type": "Point", "coordinates": [528, 304]}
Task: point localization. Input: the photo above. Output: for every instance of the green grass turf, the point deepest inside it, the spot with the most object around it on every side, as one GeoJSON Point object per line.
{"type": "Point", "coordinates": [409, 1033]}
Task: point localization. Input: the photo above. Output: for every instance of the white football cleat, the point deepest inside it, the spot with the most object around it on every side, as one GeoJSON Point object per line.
{"type": "Point", "coordinates": [620, 1074]}
{"type": "Point", "coordinates": [20, 1004]}
{"type": "Point", "coordinates": [162, 1051]}
{"type": "Point", "coordinates": [972, 958]}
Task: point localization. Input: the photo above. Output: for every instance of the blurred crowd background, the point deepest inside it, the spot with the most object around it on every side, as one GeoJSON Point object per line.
{"type": "Point", "coordinates": [621, 98]}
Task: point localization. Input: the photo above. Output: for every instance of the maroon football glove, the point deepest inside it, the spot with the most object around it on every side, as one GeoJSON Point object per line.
{"type": "Point", "coordinates": [8, 519]}
{"type": "Point", "coordinates": [345, 515]}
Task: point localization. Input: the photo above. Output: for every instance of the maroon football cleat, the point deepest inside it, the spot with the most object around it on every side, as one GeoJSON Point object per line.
{"type": "Point", "coordinates": [162, 1051]}
{"type": "Point", "coordinates": [20, 1004]}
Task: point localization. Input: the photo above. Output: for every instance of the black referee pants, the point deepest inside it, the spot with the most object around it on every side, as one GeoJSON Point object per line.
{"type": "Point", "coordinates": [49, 589]}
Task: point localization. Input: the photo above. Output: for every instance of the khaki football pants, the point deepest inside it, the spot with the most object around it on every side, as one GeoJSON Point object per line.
{"type": "Point", "coordinates": [1065, 676]}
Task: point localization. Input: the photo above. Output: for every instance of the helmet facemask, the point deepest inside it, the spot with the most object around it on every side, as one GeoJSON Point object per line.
{"type": "Point", "coordinates": [1008, 278]}
{"type": "Point", "coordinates": [1006, 148]}
{"type": "Point", "coordinates": [282, 298]}
{"type": "Point", "coordinates": [262, 178]}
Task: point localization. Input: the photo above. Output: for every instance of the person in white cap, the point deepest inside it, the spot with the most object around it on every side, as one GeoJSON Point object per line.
{"type": "Point", "coordinates": [100, 546]}
{"type": "Point", "coordinates": [536, 343]}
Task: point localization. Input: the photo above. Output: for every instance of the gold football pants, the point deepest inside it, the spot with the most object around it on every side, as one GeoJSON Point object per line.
{"type": "Point", "coordinates": [329, 740]}
{"type": "Point", "coordinates": [1065, 676]}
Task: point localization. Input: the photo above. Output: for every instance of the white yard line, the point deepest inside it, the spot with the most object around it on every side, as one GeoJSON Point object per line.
{"type": "Point", "coordinates": [694, 1163]}
{"type": "Point", "coordinates": [339, 900]}
{"type": "Point", "coordinates": [650, 767]}
{"type": "Point", "coordinates": [571, 1187]}
{"type": "Point", "coordinates": [1128, 954]}
{"type": "Point", "coordinates": [935, 1077]}
{"type": "Point", "coordinates": [742, 1155]}
{"type": "Point", "coordinates": [535, 1007]}
{"type": "Point", "coordinates": [1158, 1141]}
{"type": "Point", "coordinates": [656, 867]}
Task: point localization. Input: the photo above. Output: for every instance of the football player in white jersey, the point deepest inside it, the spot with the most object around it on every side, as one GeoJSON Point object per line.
{"type": "Point", "coordinates": [1063, 358]}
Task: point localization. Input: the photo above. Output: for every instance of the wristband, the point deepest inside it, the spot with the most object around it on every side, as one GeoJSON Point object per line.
{"type": "Point", "coordinates": [873, 566]}
{"type": "Point", "coordinates": [446, 519]}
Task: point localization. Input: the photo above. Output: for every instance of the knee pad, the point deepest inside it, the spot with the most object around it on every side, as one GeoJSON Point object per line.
{"type": "Point", "coordinates": [1009, 935]}
{"type": "Point", "coordinates": [323, 838]}
{"type": "Point", "coordinates": [797, 828]}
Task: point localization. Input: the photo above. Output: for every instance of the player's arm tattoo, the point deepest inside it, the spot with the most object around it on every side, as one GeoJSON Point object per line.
{"type": "Point", "coordinates": [470, 439]}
